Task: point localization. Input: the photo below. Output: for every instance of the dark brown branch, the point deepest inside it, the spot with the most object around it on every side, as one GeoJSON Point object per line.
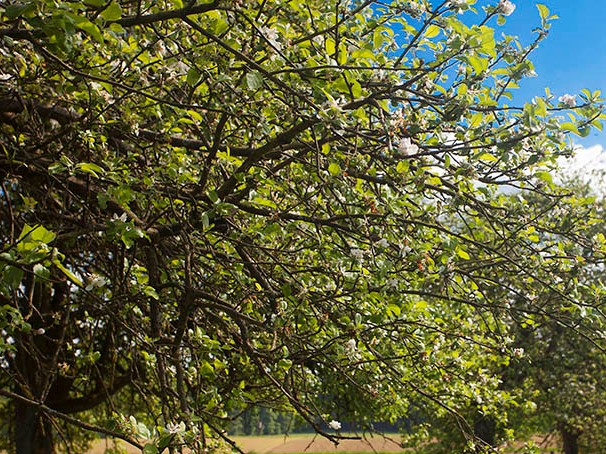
{"type": "Point", "coordinates": [181, 13]}
{"type": "Point", "coordinates": [91, 400]}
{"type": "Point", "coordinates": [11, 105]}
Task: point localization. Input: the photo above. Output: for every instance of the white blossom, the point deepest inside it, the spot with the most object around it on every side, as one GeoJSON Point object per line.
{"type": "Point", "coordinates": [518, 352]}
{"type": "Point", "coordinates": [416, 8]}
{"type": "Point", "coordinates": [357, 254]}
{"type": "Point", "coordinates": [334, 425]}
{"type": "Point", "coordinates": [271, 35]}
{"type": "Point", "coordinates": [351, 345]}
{"type": "Point", "coordinates": [123, 217]}
{"type": "Point", "coordinates": [569, 100]}
{"type": "Point", "coordinates": [506, 8]}
{"type": "Point", "coordinates": [458, 3]}
{"type": "Point", "coordinates": [406, 147]}
{"type": "Point", "coordinates": [180, 67]}
{"type": "Point", "coordinates": [382, 243]}
{"type": "Point", "coordinates": [392, 283]}
{"type": "Point", "coordinates": [173, 428]}
{"type": "Point", "coordinates": [40, 331]}
{"type": "Point", "coordinates": [95, 281]}
{"type": "Point", "coordinates": [405, 249]}
{"type": "Point", "coordinates": [160, 48]}
{"type": "Point", "coordinates": [531, 406]}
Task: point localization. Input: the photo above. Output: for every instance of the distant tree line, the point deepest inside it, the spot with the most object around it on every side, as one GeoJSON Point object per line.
{"type": "Point", "coordinates": [268, 421]}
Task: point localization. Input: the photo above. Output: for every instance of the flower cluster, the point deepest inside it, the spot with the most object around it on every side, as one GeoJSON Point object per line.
{"type": "Point", "coordinates": [458, 3]}
{"type": "Point", "coordinates": [382, 243]}
{"type": "Point", "coordinates": [334, 425]}
{"type": "Point", "coordinates": [406, 147]}
{"type": "Point", "coordinates": [272, 36]}
{"type": "Point", "coordinates": [505, 7]}
{"type": "Point", "coordinates": [568, 100]}
{"type": "Point", "coordinates": [94, 281]}
{"type": "Point", "coordinates": [357, 254]}
{"type": "Point", "coordinates": [174, 428]}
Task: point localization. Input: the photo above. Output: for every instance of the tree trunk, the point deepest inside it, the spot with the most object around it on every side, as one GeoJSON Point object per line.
{"type": "Point", "coordinates": [33, 432]}
{"type": "Point", "coordinates": [485, 430]}
{"type": "Point", "coordinates": [570, 440]}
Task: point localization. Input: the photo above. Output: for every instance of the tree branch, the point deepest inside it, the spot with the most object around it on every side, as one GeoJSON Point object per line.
{"type": "Point", "coordinates": [70, 419]}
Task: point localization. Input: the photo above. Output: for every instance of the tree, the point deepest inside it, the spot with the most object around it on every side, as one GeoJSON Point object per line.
{"type": "Point", "coordinates": [561, 357]}
{"type": "Point", "coordinates": [208, 206]}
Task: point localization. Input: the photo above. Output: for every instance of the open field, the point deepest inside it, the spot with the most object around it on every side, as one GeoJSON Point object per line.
{"type": "Point", "coordinates": [308, 443]}
{"type": "Point", "coordinates": [297, 443]}
{"type": "Point", "coordinates": [315, 444]}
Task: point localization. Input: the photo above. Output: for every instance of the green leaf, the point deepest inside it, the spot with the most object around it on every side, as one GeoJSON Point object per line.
{"type": "Point", "coordinates": [112, 13]}
{"type": "Point", "coordinates": [285, 364]}
{"type": "Point", "coordinates": [213, 196]}
{"type": "Point", "coordinates": [543, 11]}
{"type": "Point", "coordinates": [150, 449]}
{"type": "Point", "coordinates": [463, 254]}
{"type": "Point", "coordinates": [421, 306]}
{"type": "Point", "coordinates": [220, 26]}
{"type": "Point", "coordinates": [151, 292]}
{"type": "Point", "coordinates": [356, 89]}
{"type": "Point", "coordinates": [544, 176]}
{"type": "Point", "coordinates": [330, 46]}
{"type": "Point", "coordinates": [90, 168]}
{"type": "Point", "coordinates": [17, 10]}
{"type": "Point", "coordinates": [205, 221]}
{"type": "Point", "coordinates": [479, 64]}
{"type": "Point", "coordinates": [71, 276]}
{"type": "Point", "coordinates": [12, 276]}
{"type": "Point", "coordinates": [487, 157]}
{"type": "Point", "coordinates": [487, 43]}
{"type": "Point", "coordinates": [87, 26]}
{"type": "Point", "coordinates": [569, 126]}
{"type": "Point", "coordinates": [254, 80]}
{"type": "Point", "coordinates": [393, 309]}
{"type": "Point", "coordinates": [363, 53]}
{"type": "Point", "coordinates": [476, 120]}
{"type": "Point", "coordinates": [334, 168]}
{"type": "Point", "coordinates": [403, 166]}
{"type": "Point", "coordinates": [432, 31]}
{"type": "Point", "coordinates": [193, 77]}
{"type": "Point", "coordinates": [165, 440]}
{"type": "Point", "coordinates": [37, 234]}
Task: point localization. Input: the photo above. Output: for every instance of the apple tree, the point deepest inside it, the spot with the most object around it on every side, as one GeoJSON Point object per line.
{"type": "Point", "coordinates": [209, 206]}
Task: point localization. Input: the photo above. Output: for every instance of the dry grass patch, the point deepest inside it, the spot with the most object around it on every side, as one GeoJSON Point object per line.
{"type": "Point", "coordinates": [280, 444]}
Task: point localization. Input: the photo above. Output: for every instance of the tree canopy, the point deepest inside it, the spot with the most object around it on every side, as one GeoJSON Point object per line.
{"type": "Point", "coordinates": [324, 207]}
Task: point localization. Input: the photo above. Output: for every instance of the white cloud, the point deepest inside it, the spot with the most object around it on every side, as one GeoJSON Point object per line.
{"type": "Point", "coordinates": [587, 164]}
{"type": "Point", "coordinates": [586, 159]}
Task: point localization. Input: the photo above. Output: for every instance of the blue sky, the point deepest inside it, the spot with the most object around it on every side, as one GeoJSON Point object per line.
{"type": "Point", "coordinates": [572, 57]}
